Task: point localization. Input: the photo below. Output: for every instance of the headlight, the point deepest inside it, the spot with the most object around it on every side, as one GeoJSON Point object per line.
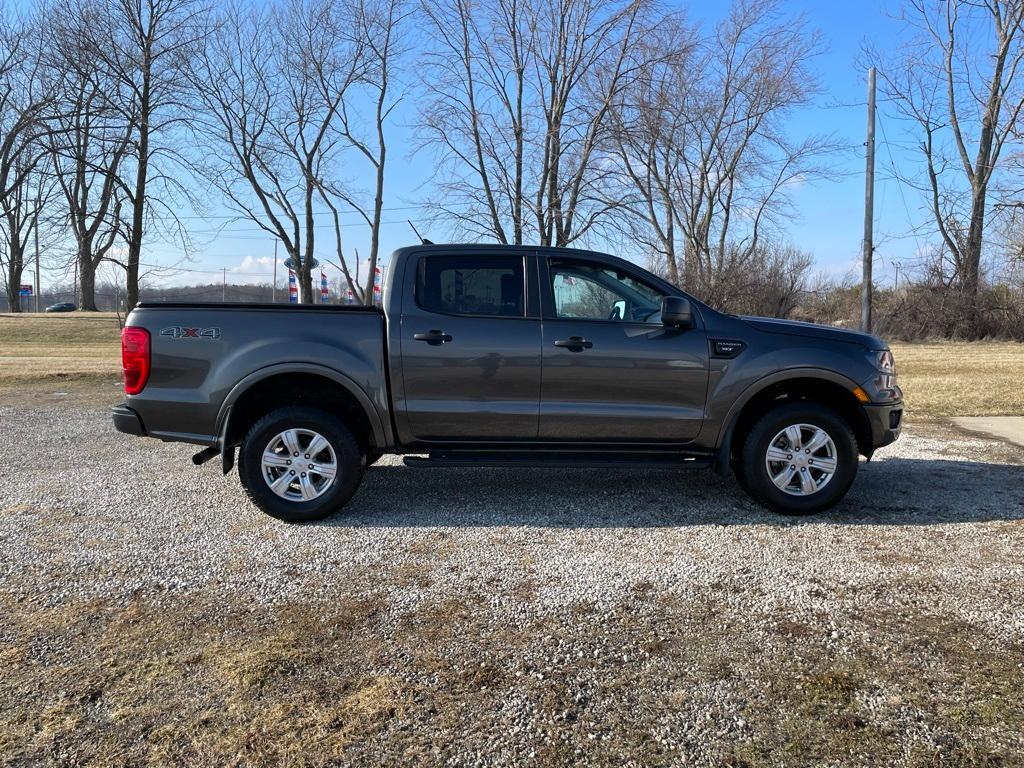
{"type": "Point", "coordinates": [884, 384]}
{"type": "Point", "coordinates": [885, 362]}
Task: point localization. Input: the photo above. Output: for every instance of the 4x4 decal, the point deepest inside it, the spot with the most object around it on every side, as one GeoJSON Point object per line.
{"type": "Point", "coordinates": [180, 332]}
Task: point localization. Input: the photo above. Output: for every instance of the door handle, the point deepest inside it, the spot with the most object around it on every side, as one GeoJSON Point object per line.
{"type": "Point", "coordinates": [574, 343]}
{"type": "Point", "coordinates": [434, 338]}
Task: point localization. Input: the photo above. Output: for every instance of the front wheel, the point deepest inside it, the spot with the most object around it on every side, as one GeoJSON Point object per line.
{"type": "Point", "coordinates": [800, 458]}
{"type": "Point", "coordinates": [300, 464]}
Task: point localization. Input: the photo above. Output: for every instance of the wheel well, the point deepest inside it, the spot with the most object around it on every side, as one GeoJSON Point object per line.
{"type": "Point", "coordinates": [299, 389]}
{"type": "Point", "coordinates": [836, 397]}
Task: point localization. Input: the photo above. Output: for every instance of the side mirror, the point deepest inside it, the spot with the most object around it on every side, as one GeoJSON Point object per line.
{"type": "Point", "coordinates": [676, 312]}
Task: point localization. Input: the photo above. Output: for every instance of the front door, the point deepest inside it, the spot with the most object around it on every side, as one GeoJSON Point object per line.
{"type": "Point", "coordinates": [470, 352]}
{"type": "Point", "coordinates": [612, 372]}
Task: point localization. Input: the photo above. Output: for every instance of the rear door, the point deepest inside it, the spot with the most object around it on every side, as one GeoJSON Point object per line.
{"type": "Point", "coordinates": [470, 348]}
{"type": "Point", "coordinates": [612, 372]}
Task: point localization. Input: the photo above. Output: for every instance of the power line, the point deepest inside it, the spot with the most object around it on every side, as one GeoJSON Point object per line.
{"type": "Point", "coordinates": [899, 185]}
{"type": "Point", "coordinates": [243, 217]}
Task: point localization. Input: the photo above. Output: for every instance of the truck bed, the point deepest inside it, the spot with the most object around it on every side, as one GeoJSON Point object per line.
{"type": "Point", "coordinates": [205, 355]}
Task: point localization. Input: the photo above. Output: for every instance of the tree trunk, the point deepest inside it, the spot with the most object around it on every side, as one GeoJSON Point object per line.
{"type": "Point", "coordinates": [971, 266]}
{"type": "Point", "coordinates": [86, 278]}
{"type": "Point", "coordinates": [972, 248]}
{"type": "Point", "coordinates": [14, 272]}
{"type": "Point", "coordinates": [141, 176]}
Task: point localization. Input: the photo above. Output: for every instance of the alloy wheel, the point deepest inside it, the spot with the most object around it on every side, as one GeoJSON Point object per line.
{"type": "Point", "coordinates": [299, 465]}
{"type": "Point", "coordinates": [801, 459]}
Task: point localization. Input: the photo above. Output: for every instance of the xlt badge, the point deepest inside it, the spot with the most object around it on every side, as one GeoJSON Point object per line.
{"type": "Point", "coordinates": [726, 348]}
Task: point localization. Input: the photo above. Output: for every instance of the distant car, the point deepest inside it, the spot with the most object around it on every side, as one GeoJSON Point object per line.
{"type": "Point", "coordinates": [64, 306]}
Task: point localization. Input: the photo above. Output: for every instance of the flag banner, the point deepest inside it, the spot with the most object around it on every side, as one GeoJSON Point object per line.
{"type": "Point", "coordinates": [378, 279]}
{"type": "Point", "coordinates": [324, 292]}
{"type": "Point", "coordinates": [293, 288]}
{"type": "Point", "coordinates": [350, 298]}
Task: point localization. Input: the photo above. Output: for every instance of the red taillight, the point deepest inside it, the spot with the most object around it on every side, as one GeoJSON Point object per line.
{"type": "Point", "coordinates": [135, 359]}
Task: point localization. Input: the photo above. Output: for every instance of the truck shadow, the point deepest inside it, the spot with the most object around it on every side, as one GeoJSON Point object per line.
{"type": "Point", "coordinates": [893, 491]}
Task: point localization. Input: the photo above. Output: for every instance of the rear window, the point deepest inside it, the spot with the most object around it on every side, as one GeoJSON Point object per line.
{"type": "Point", "coordinates": [472, 285]}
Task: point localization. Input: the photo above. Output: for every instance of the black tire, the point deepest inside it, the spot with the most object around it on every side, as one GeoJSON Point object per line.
{"type": "Point", "coordinates": [754, 475]}
{"type": "Point", "coordinates": [348, 459]}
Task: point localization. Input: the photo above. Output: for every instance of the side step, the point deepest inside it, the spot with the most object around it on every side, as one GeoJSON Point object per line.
{"type": "Point", "coordinates": [558, 459]}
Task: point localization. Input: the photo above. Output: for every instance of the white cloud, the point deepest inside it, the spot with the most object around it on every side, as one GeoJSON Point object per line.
{"type": "Point", "coordinates": [255, 265]}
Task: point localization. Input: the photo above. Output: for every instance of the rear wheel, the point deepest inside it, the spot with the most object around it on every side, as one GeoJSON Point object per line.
{"type": "Point", "coordinates": [798, 459]}
{"type": "Point", "coordinates": [300, 464]}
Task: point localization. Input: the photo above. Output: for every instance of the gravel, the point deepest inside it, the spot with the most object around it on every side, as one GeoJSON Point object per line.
{"type": "Point", "coordinates": [932, 528]}
{"type": "Point", "coordinates": [94, 513]}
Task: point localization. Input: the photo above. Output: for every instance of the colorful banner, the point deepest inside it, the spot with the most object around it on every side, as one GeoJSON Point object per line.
{"type": "Point", "coordinates": [378, 279]}
{"type": "Point", "coordinates": [350, 298]}
{"type": "Point", "coordinates": [293, 288]}
{"type": "Point", "coordinates": [324, 293]}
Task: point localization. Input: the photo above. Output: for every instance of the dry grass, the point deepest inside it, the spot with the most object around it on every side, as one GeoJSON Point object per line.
{"type": "Point", "coordinates": [217, 682]}
{"type": "Point", "coordinates": [48, 347]}
{"type": "Point", "coordinates": [944, 379]}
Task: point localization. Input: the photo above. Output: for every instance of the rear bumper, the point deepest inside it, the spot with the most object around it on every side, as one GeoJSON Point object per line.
{"type": "Point", "coordinates": [126, 420]}
{"type": "Point", "coordinates": [886, 423]}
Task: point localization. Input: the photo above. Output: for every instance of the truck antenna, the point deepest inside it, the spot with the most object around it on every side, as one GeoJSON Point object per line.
{"type": "Point", "coordinates": [423, 240]}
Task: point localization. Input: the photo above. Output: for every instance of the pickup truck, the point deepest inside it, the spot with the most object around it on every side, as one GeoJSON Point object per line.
{"type": "Point", "coordinates": [510, 356]}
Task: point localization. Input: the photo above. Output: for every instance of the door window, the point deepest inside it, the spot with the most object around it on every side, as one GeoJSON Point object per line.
{"type": "Point", "coordinates": [594, 292]}
{"type": "Point", "coordinates": [472, 285]}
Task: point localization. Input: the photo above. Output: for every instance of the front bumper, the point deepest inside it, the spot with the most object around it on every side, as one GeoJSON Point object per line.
{"type": "Point", "coordinates": [126, 420]}
{"type": "Point", "coordinates": [886, 423]}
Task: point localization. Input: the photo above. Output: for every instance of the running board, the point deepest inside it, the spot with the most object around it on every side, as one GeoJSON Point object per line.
{"type": "Point", "coordinates": [558, 460]}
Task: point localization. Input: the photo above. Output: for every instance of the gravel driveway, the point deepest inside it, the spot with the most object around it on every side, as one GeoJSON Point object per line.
{"type": "Point", "coordinates": [503, 616]}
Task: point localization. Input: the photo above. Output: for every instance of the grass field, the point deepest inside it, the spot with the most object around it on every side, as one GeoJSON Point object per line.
{"type": "Point", "coordinates": [940, 379]}
{"type": "Point", "coordinates": [73, 346]}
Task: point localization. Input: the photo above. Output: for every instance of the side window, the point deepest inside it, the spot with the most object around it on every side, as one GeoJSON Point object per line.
{"type": "Point", "coordinates": [589, 291]}
{"type": "Point", "coordinates": [577, 296]}
{"type": "Point", "coordinates": [472, 285]}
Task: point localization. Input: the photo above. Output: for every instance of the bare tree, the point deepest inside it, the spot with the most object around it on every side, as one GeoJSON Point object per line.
{"type": "Point", "coordinates": [145, 48]}
{"type": "Point", "coordinates": [959, 86]}
{"type": "Point", "coordinates": [702, 144]}
{"type": "Point", "coordinates": [380, 24]}
{"type": "Point", "coordinates": [90, 139]}
{"type": "Point", "coordinates": [518, 99]}
{"type": "Point", "coordinates": [26, 95]}
{"type": "Point", "coordinates": [272, 83]}
{"type": "Point", "coordinates": [653, 121]}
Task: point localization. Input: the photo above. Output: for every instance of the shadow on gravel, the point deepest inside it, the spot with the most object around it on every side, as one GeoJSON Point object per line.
{"type": "Point", "coordinates": [888, 492]}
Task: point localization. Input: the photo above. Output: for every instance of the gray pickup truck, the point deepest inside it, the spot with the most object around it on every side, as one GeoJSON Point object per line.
{"type": "Point", "coordinates": [509, 356]}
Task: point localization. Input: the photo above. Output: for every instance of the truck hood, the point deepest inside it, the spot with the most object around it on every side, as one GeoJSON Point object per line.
{"type": "Point", "coordinates": [814, 331]}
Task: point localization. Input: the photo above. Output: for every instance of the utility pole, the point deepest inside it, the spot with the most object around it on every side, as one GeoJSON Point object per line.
{"type": "Point", "coordinates": [273, 287]}
{"type": "Point", "coordinates": [869, 209]}
{"type": "Point", "coordinates": [37, 259]}
{"type": "Point", "coordinates": [896, 266]}
{"type": "Point", "coordinates": [224, 285]}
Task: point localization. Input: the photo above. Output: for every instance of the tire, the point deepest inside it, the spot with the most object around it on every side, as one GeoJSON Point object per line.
{"type": "Point", "coordinates": [300, 498]}
{"type": "Point", "coordinates": [806, 488]}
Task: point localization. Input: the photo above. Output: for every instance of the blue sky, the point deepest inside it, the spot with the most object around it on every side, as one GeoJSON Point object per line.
{"type": "Point", "coordinates": [828, 219]}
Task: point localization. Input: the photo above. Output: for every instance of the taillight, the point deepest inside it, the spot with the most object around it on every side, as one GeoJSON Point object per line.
{"type": "Point", "coordinates": [135, 359]}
